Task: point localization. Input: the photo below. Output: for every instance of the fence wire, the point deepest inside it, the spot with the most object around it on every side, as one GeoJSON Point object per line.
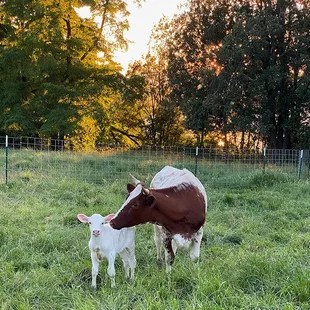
{"type": "Point", "coordinates": [29, 158]}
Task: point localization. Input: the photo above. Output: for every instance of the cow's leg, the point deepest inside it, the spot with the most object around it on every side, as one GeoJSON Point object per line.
{"type": "Point", "coordinates": [174, 247]}
{"type": "Point", "coordinates": [111, 268]}
{"type": "Point", "coordinates": [195, 249]}
{"type": "Point", "coordinates": [169, 254]}
{"type": "Point", "coordinates": [158, 243]}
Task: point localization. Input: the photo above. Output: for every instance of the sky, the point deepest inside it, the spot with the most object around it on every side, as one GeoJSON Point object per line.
{"type": "Point", "coordinates": [141, 22]}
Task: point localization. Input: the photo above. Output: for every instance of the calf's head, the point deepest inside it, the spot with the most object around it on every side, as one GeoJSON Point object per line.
{"type": "Point", "coordinates": [136, 209]}
{"type": "Point", "coordinates": [95, 222]}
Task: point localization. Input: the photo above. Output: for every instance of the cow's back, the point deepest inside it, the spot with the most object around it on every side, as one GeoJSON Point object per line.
{"type": "Point", "coordinates": [173, 177]}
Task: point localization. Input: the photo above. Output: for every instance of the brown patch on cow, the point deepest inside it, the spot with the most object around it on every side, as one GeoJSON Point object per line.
{"type": "Point", "coordinates": [181, 210]}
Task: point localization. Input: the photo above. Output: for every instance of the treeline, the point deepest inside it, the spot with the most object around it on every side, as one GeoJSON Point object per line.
{"type": "Point", "coordinates": [222, 72]}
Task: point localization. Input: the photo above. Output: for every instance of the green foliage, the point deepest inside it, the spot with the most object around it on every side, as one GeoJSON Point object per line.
{"type": "Point", "coordinates": [160, 118]}
{"type": "Point", "coordinates": [238, 68]}
{"type": "Point", "coordinates": [52, 77]}
{"type": "Point", "coordinates": [242, 66]}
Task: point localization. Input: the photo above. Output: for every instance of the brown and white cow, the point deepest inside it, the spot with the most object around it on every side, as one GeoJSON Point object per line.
{"type": "Point", "coordinates": [176, 203]}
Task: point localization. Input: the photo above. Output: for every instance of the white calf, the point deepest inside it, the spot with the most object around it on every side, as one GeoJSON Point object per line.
{"type": "Point", "coordinates": [106, 242]}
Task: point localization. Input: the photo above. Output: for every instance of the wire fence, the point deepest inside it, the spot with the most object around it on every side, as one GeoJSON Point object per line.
{"type": "Point", "coordinates": [26, 158]}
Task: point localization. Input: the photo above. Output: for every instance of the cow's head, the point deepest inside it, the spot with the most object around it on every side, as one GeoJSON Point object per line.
{"type": "Point", "coordinates": [137, 208]}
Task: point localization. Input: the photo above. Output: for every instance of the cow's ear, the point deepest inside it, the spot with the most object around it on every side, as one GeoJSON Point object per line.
{"type": "Point", "coordinates": [150, 201]}
{"type": "Point", "coordinates": [130, 187]}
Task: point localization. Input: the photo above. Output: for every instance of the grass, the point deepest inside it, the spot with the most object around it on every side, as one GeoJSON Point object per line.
{"type": "Point", "coordinates": [254, 254]}
{"type": "Point", "coordinates": [101, 168]}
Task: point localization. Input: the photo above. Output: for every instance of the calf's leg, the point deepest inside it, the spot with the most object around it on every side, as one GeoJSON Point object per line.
{"type": "Point", "coordinates": [132, 263]}
{"type": "Point", "coordinates": [95, 269]}
{"type": "Point", "coordinates": [129, 261]}
{"type": "Point", "coordinates": [125, 258]}
{"type": "Point", "coordinates": [111, 268]}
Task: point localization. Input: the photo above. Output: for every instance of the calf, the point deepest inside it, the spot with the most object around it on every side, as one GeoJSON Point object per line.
{"type": "Point", "coordinates": [176, 203]}
{"type": "Point", "coordinates": [106, 242]}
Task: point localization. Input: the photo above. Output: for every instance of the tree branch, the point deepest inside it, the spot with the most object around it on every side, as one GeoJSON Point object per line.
{"type": "Point", "coordinates": [131, 137]}
{"type": "Point", "coordinates": [99, 33]}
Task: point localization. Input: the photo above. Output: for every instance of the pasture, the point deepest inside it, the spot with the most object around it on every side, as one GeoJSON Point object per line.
{"type": "Point", "coordinates": [254, 254]}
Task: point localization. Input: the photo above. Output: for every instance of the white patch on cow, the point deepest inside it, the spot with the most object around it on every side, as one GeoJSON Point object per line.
{"type": "Point", "coordinates": [181, 242]}
{"type": "Point", "coordinates": [136, 192]}
{"type": "Point", "coordinates": [180, 179]}
{"type": "Point", "coordinates": [182, 187]}
{"type": "Point", "coordinates": [177, 242]}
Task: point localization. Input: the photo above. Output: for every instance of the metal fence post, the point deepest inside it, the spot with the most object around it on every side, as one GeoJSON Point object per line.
{"type": "Point", "coordinates": [6, 158]}
{"type": "Point", "coordinates": [264, 159]}
{"type": "Point", "coordinates": [300, 163]}
{"type": "Point", "coordinates": [196, 160]}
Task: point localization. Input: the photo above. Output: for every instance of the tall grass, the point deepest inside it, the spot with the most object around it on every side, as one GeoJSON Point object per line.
{"type": "Point", "coordinates": [254, 254]}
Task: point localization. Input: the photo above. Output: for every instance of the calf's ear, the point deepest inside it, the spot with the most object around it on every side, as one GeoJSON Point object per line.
{"type": "Point", "coordinates": [82, 218]}
{"type": "Point", "coordinates": [150, 201]}
{"type": "Point", "coordinates": [130, 187]}
{"type": "Point", "coordinates": [108, 218]}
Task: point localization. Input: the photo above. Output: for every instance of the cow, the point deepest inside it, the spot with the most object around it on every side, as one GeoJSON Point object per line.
{"type": "Point", "coordinates": [176, 203]}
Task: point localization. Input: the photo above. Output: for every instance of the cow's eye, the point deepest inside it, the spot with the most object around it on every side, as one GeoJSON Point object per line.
{"type": "Point", "coordinates": [89, 223]}
{"type": "Point", "coordinates": [102, 223]}
{"type": "Point", "coordinates": [135, 206]}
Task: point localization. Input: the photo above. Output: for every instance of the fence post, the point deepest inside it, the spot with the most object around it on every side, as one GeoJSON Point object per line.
{"type": "Point", "coordinates": [264, 159]}
{"type": "Point", "coordinates": [6, 158]}
{"type": "Point", "coordinates": [196, 160]}
{"type": "Point", "coordinates": [300, 163]}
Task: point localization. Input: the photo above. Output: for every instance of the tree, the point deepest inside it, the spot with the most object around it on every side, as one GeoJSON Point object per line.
{"type": "Point", "coordinates": [192, 67]}
{"type": "Point", "coordinates": [162, 119]}
{"type": "Point", "coordinates": [271, 44]}
{"type": "Point", "coordinates": [243, 66]}
{"type": "Point", "coordinates": [51, 74]}
{"type": "Point", "coordinates": [122, 122]}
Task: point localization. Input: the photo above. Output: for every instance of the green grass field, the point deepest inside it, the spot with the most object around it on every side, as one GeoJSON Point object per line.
{"type": "Point", "coordinates": [255, 252]}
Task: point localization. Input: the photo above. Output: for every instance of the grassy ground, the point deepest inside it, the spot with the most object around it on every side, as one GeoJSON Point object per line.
{"type": "Point", "coordinates": [254, 254]}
